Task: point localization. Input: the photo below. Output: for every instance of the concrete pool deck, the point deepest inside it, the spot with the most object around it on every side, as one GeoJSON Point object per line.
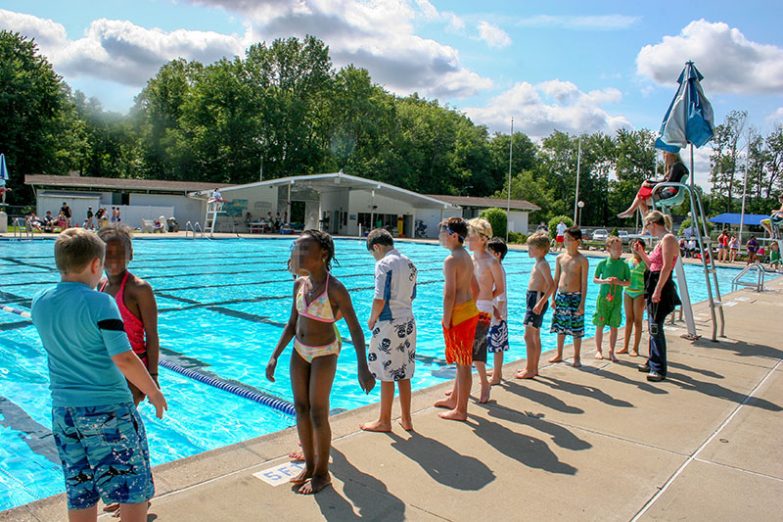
{"type": "Point", "coordinates": [597, 443]}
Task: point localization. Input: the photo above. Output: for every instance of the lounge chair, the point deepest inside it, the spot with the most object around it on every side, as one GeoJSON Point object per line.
{"type": "Point", "coordinates": [147, 225]}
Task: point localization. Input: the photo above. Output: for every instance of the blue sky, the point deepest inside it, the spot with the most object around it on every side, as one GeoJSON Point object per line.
{"type": "Point", "coordinates": [573, 66]}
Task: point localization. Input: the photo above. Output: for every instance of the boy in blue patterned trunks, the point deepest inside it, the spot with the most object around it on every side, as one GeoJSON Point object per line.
{"type": "Point", "coordinates": [568, 303]}
{"type": "Point", "coordinates": [98, 433]}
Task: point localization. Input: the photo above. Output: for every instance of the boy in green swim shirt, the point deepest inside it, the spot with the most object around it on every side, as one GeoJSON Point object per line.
{"type": "Point", "coordinates": [612, 274]}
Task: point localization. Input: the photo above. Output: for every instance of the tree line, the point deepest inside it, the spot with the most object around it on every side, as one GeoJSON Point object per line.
{"type": "Point", "coordinates": [284, 109]}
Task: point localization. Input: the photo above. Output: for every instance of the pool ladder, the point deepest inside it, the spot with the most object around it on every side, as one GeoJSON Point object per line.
{"type": "Point", "coordinates": [21, 229]}
{"type": "Point", "coordinates": [194, 230]}
{"type": "Point", "coordinates": [757, 285]}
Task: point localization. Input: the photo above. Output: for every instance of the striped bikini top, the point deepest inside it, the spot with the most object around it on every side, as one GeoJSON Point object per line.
{"type": "Point", "coordinates": [319, 309]}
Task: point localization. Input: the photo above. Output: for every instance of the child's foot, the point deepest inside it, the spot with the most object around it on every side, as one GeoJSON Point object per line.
{"type": "Point", "coordinates": [634, 353]}
{"type": "Point", "coordinates": [525, 374]}
{"type": "Point", "coordinates": [447, 403]}
{"type": "Point", "coordinates": [447, 393]}
{"type": "Point", "coordinates": [407, 424]}
{"type": "Point", "coordinates": [577, 363]}
{"type": "Point", "coordinates": [556, 359]}
{"type": "Point", "coordinates": [494, 381]}
{"type": "Point", "coordinates": [301, 478]}
{"type": "Point", "coordinates": [621, 350]}
{"type": "Point", "coordinates": [484, 398]}
{"type": "Point", "coordinates": [612, 357]}
{"type": "Point", "coordinates": [377, 426]}
{"type": "Point", "coordinates": [296, 456]}
{"type": "Point", "coordinates": [315, 484]}
{"type": "Point", "coordinates": [599, 355]}
{"type": "Point", "coordinates": [453, 414]}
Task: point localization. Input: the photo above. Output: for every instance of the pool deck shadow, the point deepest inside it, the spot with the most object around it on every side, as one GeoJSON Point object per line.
{"type": "Point", "coordinates": [598, 443]}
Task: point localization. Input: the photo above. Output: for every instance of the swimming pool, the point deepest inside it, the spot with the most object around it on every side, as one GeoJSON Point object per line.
{"type": "Point", "coordinates": [222, 307]}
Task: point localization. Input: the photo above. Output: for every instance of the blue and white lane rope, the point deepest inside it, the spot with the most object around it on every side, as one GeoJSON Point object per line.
{"type": "Point", "coordinates": [258, 396]}
{"type": "Point", "coordinates": [16, 311]}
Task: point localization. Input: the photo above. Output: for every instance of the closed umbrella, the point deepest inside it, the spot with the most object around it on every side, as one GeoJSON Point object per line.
{"type": "Point", "coordinates": [3, 175]}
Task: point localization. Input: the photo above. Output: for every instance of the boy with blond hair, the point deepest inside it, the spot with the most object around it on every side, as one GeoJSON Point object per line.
{"type": "Point", "coordinates": [492, 284]}
{"type": "Point", "coordinates": [612, 273]}
{"type": "Point", "coordinates": [568, 304]}
{"type": "Point", "coordinates": [99, 435]}
{"type": "Point", "coordinates": [539, 289]}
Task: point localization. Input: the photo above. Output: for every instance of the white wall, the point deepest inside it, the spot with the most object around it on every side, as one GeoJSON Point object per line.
{"type": "Point", "coordinates": [517, 221]}
{"type": "Point", "coordinates": [78, 202]}
{"type": "Point", "coordinates": [184, 208]}
{"type": "Point", "coordinates": [433, 217]}
{"type": "Point", "coordinates": [132, 215]}
{"type": "Point", "coordinates": [362, 201]}
{"type": "Point", "coordinates": [334, 200]}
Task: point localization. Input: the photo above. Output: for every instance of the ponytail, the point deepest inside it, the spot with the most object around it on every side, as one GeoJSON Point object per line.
{"type": "Point", "coordinates": [659, 218]}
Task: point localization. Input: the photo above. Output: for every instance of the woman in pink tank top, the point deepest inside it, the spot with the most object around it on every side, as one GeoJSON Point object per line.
{"type": "Point", "coordinates": [659, 290]}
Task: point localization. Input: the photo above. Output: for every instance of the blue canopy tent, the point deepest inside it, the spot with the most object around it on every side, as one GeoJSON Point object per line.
{"type": "Point", "coordinates": [736, 219]}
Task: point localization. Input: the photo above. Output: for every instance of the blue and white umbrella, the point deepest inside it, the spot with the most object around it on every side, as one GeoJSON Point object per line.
{"type": "Point", "coordinates": [689, 119]}
{"type": "Point", "coordinates": [3, 170]}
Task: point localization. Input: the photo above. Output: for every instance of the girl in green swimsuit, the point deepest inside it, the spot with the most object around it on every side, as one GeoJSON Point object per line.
{"type": "Point", "coordinates": [634, 303]}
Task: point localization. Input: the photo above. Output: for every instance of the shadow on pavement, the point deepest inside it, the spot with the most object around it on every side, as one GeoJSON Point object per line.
{"type": "Point", "coordinates": [442, 463]}
{"type": "Point", "coordinates": [528, 451]}
{"type": "Point", "coordinates": [560, 435]}
{"type": "Point", "coordinates": [544, 399]}
{"type": "Point", "coordinates": [370, 496]}
{"type": "Point", "coordinates": [591, 392]}
{"type": "Point", "coordinates": [742, 348]}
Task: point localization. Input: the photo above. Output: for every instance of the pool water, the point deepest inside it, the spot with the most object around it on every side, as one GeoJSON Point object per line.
{"type": "Point", "coordinates": [222, 307]}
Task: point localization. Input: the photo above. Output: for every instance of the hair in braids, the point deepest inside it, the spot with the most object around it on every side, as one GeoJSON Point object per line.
{"type": "Point", "coordinates": [326, 243]}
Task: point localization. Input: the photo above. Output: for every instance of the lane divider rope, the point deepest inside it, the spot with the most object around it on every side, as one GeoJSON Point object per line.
{"type": "Point", "coordinates": [260, 397]}
{"type": "Point", "coordinates": [16, 311]}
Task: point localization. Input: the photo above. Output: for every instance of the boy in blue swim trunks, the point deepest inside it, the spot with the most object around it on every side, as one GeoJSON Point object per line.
{"type": "Point", "coordinates": [568, 304]}
{"type": "Point", "coordinates": [99, 435]}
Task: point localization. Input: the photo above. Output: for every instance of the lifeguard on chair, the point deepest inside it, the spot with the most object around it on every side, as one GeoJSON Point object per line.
{"type": "Point", "coordinates": [676, 172]}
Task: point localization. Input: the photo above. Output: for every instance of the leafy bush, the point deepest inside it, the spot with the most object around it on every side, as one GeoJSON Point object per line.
{"type": "Point", "coordinates": [497, 218]}
{"type": "Point", "coordinates": [613, 232]}
{"type": "Point", "coordinates": [556, 221]}
{"type": "Point", "coordinates": [517, 237]}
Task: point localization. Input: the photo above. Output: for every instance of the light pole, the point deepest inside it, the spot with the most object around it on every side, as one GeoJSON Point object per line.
{"type": "Point", "coordinates": [580, 205]}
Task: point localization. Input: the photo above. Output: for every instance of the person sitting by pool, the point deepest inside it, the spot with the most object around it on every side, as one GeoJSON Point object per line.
{"type": "Point", "coordinates": [675, 170]}
{"type": "Point", "coordinates": [775, 221]}
{"type": "Point", "coordinates": [320, 300]}
{"type": "Point", "coordinates": [48, 222]}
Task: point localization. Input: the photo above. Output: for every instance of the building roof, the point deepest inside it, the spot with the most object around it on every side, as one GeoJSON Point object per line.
{"type": "Point", "coordinates": [336, 180]}
{"type": "Point", "coordinates": [470, 201]}
{"type": "Point", "coordinates": [145, 185]}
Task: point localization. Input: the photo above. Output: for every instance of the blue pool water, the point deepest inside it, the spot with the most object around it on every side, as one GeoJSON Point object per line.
{"type": "Point", "coordinates": [222, 307]}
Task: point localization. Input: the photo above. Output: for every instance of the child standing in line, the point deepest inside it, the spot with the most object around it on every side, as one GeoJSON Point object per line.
{"type": "Point", "coordinates": [568, 304]}
{"type": "Point", "coordinates": [135, 300]}
{"type": "Point", "coordinates": [460, 316]}
{"type": "Point", "coordinates": [489, 275]}
{"type": "Point", "coordinates": [539, 290]}
{"type": "Point", "coordinates": [634, 300]}
{"type": "Point", "coordinates": [498, 329]}
{"type": "Point", "coordinates": [320, 300]}
{"type": "Point", "coordinates": [393, 345]}
{"type": "Point", "coordinates": [612, 273]}
{"type": "Point", "coordinates": [98, 432]}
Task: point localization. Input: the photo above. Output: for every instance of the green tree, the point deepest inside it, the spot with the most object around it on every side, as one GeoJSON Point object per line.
{"type": "Point", "coordinates": [498, 219]}
{"type": "Point", "coordinates": [39, 129]}
{"type": "Point", "coordinates": [726, 159]}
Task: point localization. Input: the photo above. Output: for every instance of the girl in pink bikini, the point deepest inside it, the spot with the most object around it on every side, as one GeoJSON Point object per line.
{"type": "Point", "coordinates": [320, 300]}
{"type": "Point", "coordinates": [135, 300]}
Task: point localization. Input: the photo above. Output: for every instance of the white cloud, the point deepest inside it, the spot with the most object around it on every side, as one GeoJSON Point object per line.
{"type": "Point", "coordinates": [729, 62]}
{"type": "Point", "coordinates": [119, 50]}
{"type": "Point", "coordinates": [377, 35]}
{"type": "Point", "coordinates": [493, 35]}
{"type": "Point", "coordinates": [603, 22]}
{"type": "Point", "coordinates": [776, 116]}
{"type": "Point", "coordinates": [553, 105]}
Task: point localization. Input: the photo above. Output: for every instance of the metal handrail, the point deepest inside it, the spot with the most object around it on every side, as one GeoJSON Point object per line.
{"type": "Point", "coordinates": [707, 261]}
{"type": "Point", "coordinates": [760, 275]}
{"type": "Point", "coordinates": [189, 228]}
{"type": "Point", "coordinates": [21, 229]}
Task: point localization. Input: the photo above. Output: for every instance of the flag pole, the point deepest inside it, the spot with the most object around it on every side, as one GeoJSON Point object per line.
{"type": "Point", "coordinates": [508, 190]}
{"type": "Point", "coordinates": [578, 166]}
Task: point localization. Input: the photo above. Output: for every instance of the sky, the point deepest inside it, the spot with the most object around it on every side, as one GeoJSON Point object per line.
{"type": "Point", "coordinates": [573, 66]}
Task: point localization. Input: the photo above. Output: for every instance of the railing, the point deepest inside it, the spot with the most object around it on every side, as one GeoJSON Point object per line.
{"type": "Point", "coordinates": [193, 230]}
{"type": "Point", "coordinates": [758, 285]}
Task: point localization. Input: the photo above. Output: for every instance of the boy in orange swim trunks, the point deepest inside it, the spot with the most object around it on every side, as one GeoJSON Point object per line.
{"type": "Point", "coordinates": [460, 316]}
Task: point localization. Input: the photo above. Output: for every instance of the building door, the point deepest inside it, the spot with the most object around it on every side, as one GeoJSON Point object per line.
{"type": "Point", "coordinates": [297, 212]}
